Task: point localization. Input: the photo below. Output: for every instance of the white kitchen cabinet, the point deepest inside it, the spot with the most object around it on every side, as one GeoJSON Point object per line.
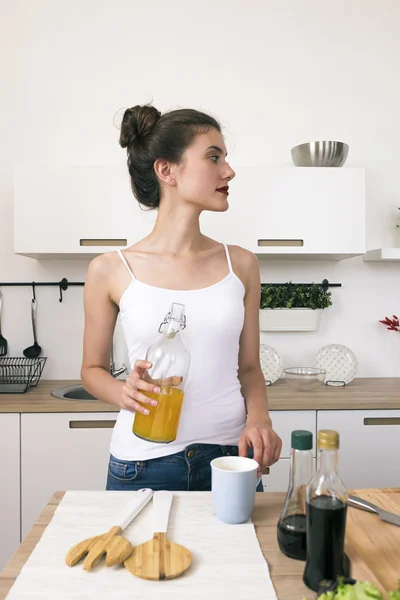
{"type": "Point", "coordinates": [369, 454]}
{"type": "Point", "coordinates": [277, 478]}
{"type": "Point", "coordinates": [61, 451]}
{"type": "Point", "coordinates": [81, 211]}
{"type": "Point", "coordinates": [286, 421]}
{"type": "Point", "coordinates": [75, 211]}
{"type": "Point", "coordinates": [10, 527]}
{"type": "Point", "coordinates": [294, 212]}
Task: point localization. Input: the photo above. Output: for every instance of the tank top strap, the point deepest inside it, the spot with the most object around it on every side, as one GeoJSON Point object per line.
{"type": "Point", "coordinates": [126, 263]}
{"type": "Point", "coordinates": [228, 258]}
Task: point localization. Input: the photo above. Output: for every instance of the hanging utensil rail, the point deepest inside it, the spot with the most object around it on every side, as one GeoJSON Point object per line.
{"type": "Point", "coordinates": [63, 285]}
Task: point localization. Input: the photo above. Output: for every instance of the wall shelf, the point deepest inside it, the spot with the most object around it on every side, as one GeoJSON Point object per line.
{"type": "Point", "coordinates": [382, 254]}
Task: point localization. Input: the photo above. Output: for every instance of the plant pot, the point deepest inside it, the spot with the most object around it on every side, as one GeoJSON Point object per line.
{"type": "Point", "coordinates": [289, 319]}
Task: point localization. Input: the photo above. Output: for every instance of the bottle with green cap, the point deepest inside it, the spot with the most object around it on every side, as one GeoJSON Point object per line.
{"type": "Point", "coordinates": [326, 501]}
{"type": "Point", "coordinates": [292, 522]}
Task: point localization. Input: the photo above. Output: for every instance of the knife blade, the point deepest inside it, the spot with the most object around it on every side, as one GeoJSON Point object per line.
{"type": "Point", "coordinates": [383, 514]}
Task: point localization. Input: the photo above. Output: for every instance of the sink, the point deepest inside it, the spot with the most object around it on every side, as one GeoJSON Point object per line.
{"type": "Point", "coordinates": [72, 392]}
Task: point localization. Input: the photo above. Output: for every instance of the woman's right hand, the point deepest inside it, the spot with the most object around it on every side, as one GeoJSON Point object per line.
{"type": "Point", "coordinates": [132, 397]}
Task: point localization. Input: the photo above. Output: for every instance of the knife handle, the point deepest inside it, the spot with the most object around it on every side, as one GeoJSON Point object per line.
{"type": "Point", "coordinates": [356, 502]}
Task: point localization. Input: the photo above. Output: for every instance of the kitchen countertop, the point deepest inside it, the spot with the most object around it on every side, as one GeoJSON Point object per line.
{"type": "Point", "coordinates": [286, 574]}
{"type": "Point", "coordinates": [360, 394]}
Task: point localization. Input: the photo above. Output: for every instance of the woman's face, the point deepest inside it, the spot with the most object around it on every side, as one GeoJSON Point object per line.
{"type": "Point", "coordinates": [203, 175]}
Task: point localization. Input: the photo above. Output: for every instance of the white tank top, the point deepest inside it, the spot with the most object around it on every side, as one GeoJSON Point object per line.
{"type": "Point", "coordinates": [213, 410]}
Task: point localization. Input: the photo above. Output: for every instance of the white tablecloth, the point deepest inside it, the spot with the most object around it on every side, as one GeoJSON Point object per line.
{"type": "Point", "coordinates": [227, 559]}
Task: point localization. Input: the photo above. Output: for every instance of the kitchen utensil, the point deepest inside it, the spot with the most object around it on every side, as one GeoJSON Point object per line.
{"type": "Point", "coordinates": [384, 515]}
{"type": "Point", "coordinates": [159, 558]}
{"type": "Point", "coordinates": [304, 379]}
{"type": "Point", "coordinates": [114, 546]}
{"type": "Point", "coordinates": [339, 362]}
{"type": "Point", "coordinates": [320, 154]}
{"type": "Point", "coordinates": [3, 341]}
{"type": "Point", "coordinates": [271, 364]}
{"type": "Point", "coordinates": [35, 350]}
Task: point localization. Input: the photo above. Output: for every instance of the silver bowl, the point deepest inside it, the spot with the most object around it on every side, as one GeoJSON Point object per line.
{"type": "Point", "coordinates": [320, 154]}
{"type": "Point", "coordinates": [304, 379]}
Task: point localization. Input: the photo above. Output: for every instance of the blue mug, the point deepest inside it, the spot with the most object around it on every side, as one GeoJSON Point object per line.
{"type": "Point", "coordinates": [233, 487]}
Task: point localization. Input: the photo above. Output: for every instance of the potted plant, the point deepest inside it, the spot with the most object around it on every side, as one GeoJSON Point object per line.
{"type": "Point", "coordinates": [292, 307]}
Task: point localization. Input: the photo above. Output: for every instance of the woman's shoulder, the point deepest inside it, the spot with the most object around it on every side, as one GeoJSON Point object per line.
{"type": "Point", "coordinates": [103, 267]}
{"type": "Point", "coordinates": [244, 265]}
{"type": "Point", "coordinates": [242, 258]}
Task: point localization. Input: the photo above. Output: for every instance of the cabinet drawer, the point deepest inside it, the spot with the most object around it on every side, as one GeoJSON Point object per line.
{"type": "Point", "coordinates": [369, 446]}
{"type": "Point", "coordinates": [285, 421]}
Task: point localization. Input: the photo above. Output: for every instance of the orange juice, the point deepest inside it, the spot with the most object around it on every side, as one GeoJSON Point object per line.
{"type": "Point", "coordinates": [161, 424]}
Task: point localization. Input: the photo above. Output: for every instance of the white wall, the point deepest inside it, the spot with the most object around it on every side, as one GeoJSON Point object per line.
{"type": "Point", "coordinates": [275, 73]}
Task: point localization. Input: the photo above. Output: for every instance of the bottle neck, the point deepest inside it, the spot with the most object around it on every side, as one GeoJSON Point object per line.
{"type": "Point", "coordinates": [173, 327]}
{"type": "Point", "coordinates": [301, 466]}
{"type": "Point", "coordinates": [328, 461]}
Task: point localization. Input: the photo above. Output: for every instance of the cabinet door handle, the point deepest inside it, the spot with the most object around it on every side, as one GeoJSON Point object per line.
{"type": "Point", "coordinates": [382, 421]}
{"type": "Point", "coordinates": [92, 424]}
{"type": "Point", "coordinates": [103, 242]}
{"type": "Point", "coordinates": [280, 243]}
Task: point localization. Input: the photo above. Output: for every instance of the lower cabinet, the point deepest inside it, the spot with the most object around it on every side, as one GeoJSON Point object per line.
{"type": "Point", "coordinates": [277, 478]}
{"type": "Point", "coordinates": [61, 451]}
{"type": "Point", "coordinates": [10, 486]}
{"type": "Point", "coordinates": [284, 422]}
{"type": "Point", "coordinates": [369, 454]}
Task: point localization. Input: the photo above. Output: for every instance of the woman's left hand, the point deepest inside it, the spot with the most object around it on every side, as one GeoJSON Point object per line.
{"type": "Point", "coordinates": [259, 435]}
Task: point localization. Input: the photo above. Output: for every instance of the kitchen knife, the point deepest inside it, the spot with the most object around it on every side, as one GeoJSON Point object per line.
{"type": "Point", "coordinates": [384, 515]}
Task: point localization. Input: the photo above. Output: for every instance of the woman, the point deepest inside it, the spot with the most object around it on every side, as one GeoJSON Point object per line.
{"type": "Point", "coordinates": [177, 164]}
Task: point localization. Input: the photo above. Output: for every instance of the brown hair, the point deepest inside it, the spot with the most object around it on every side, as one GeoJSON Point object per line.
{"type": "Point", "coordinates": [148, 135]}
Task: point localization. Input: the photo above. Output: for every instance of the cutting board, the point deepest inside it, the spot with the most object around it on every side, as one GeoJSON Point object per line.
{"type": "Point", "coordinates": [372, 545]}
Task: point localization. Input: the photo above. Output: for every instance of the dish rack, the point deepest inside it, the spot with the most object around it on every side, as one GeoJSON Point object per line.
{"type": "Point", "coordinates": [18, 373]}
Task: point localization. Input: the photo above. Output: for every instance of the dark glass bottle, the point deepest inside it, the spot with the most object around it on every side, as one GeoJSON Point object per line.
{"type": "Point", "coordinates": [292, 522]}
{"type": "Point", "coordinates": [326, 502]}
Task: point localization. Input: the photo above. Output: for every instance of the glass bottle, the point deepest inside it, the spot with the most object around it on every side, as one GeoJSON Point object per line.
{"type": "Point", "coordinates": [292, 522]}
{"type": "Point", "coordinates": [170, 361]}
{"type": "Point", "coordinates": [326, 501]}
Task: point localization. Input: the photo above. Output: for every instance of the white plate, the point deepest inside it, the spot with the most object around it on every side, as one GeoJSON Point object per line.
{"type": "Point", "coordinates": [339, 362]}
{"type": "Point", "coordinates": [271, 364]}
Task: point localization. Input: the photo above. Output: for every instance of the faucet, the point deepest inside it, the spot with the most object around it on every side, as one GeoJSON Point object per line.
{"type": "Point", "coordinates": [113, 371]}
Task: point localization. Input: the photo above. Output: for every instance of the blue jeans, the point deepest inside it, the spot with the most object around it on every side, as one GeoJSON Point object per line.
{"type": "Point", "coordinates": [188, 470]}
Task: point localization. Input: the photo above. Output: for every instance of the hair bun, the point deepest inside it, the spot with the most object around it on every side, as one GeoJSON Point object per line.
{"type": "Point", "coordinates": [137, 123]}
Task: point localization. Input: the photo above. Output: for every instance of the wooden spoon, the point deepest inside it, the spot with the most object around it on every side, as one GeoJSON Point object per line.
{"type": "Point", "coordinates": [114, 546]}
{"type": "Point", "coordinates": [159, 558]}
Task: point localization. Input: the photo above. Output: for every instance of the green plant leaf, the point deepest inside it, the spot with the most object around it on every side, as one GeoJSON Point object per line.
{"type": "Point", "coordinates": [291, 295]}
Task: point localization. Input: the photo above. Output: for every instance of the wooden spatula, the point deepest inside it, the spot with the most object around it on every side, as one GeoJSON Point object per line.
{"type": "Point", "coordinates": [159, 558]}
{"type": "Point", "coordinates": [114, 546]}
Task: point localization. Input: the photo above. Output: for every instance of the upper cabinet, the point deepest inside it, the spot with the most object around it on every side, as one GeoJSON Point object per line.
{"type": "Point", "coordinates": [81, 211]}
{"type": "Point", "coordinates": [75, 211]}
{"type": "Point", "coordinates": [308, 213]}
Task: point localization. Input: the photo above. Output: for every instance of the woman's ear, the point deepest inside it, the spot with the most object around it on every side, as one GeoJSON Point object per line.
{"type": "Point", "coordinates": [164, 171]}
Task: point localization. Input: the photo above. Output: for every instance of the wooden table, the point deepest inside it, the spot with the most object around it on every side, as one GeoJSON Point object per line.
{"type": "Point", "coordinates": [286, 574]}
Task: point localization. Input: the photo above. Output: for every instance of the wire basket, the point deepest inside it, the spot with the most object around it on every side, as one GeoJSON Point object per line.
{"type": "Point", "coordinates": [17, 374]}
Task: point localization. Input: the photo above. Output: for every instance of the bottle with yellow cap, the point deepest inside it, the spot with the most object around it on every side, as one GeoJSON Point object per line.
{"type": "Point", "coordinates": [326, 511]}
